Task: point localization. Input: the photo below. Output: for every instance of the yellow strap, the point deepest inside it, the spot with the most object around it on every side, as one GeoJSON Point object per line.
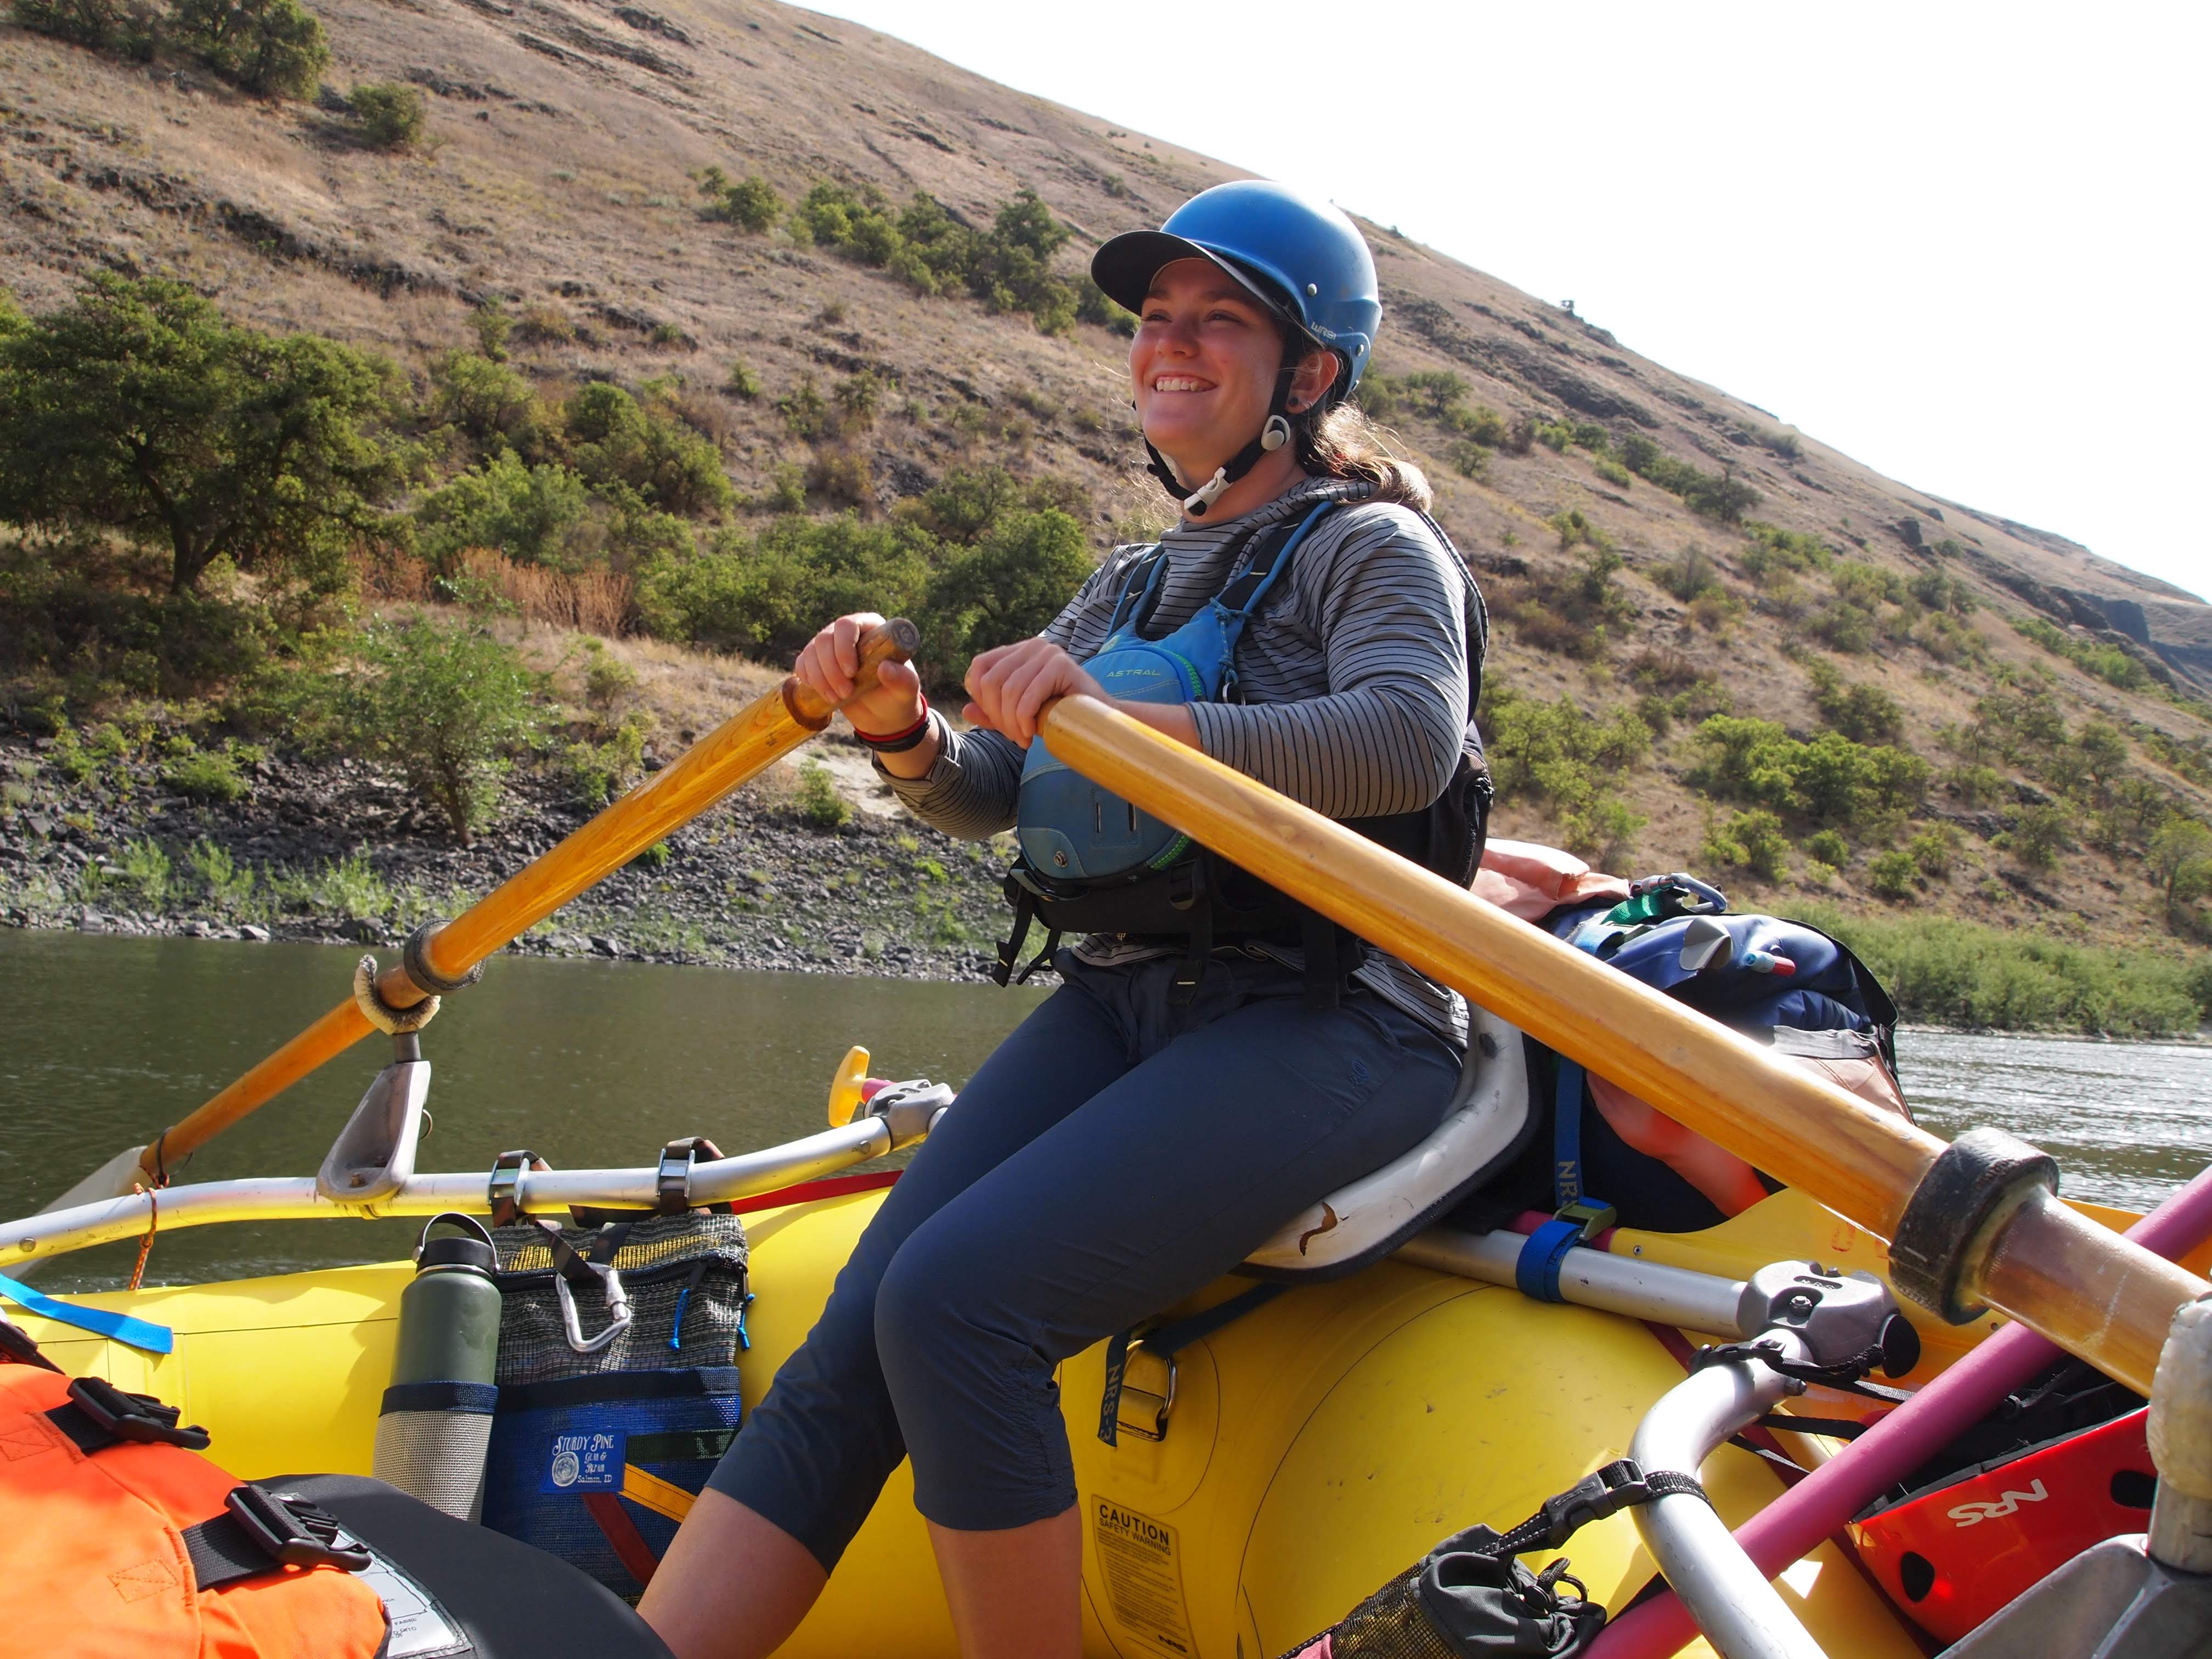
{"type": "Point", "coordinates": [651, 1491]}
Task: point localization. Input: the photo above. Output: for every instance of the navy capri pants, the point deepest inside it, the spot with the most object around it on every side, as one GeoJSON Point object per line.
{"type": "Point", "coordinates": [1113, 1156]}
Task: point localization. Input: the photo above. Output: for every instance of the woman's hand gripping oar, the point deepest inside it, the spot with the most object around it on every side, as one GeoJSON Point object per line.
{"type": "Point", "coordinates": [443, 957]}
{"type": "Point", "coordinates": [1972, 1221]}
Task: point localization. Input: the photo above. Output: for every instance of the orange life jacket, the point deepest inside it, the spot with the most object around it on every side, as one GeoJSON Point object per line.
{"type": "Point", "coordinates": [97, 1548]}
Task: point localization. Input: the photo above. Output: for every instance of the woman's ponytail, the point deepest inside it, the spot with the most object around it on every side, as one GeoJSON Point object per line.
{"type": "Point", "coordinates": [1341, 443]}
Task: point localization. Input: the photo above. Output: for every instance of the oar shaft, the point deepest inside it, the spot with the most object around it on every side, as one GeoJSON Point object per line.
{"type": "Point", "coordinates": [2098, 1297]}
{"type": "Point", "coordinates": [743, 747]}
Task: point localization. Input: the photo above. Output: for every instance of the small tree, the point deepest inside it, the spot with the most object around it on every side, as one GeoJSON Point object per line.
{"type": "Point", "coordinates": [392, 114]}
{"type": "Point", "coordinates": [273, 48]}
{"type": "Point", "coordinates": [2181, 862]}
{"type": "Point", "coordinates": [140, 409]}
{"type": "Point", "coordinates": [750, 203]}
{"type": "Point", "coordinates": [131, 27]}
{"type": "Point", "coordinates": [445, 704]}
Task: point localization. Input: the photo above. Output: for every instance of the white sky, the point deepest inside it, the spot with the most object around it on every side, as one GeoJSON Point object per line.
{"type": "Point", "coordinates": [1965, 244]}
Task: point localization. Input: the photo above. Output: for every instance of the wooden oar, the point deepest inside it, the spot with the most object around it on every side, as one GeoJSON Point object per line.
{"type": "Point", "coordinates": [742, 748]}
{"type": "Point", "coordinates": [2092, 1293]}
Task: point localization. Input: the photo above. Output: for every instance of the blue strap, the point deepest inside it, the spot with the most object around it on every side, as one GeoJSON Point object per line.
{"type": "Point", "coordinates": [116, 1328]}
{"type": "Point", "coordinates": [1536, 1269]}
{"type": "Point", "coordinates": [1567, 1135]}
{"type": "Point", "coordinates": [1166, 1340]}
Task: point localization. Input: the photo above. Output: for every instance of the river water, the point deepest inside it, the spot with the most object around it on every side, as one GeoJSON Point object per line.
{"type": "Point", "coordinates": [104, 1040]}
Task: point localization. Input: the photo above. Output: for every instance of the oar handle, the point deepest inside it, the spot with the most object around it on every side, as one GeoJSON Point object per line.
{"type": "Point", "coordinates": [896, 640]}
{"type": "Point", "coordinates": [741, 748]}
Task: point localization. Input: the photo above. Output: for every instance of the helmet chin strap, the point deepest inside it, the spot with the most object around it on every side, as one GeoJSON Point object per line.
{"type": "Point", "coordinates": [1274, 432]}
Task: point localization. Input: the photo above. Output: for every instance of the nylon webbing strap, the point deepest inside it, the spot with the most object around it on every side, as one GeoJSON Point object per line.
{"type": "Point", "coordinates": [116, 1326]}
{"type": "Point", "coordinates": [678, 1445]}
{"type": "Point", "coordinates": [222, 1552]}
{"type": "Point", "coordinates": [1167, 1340]}
{"type": "Point", "coordinates": [1536, 1269]}
{"type": "Point", "coordinates": [1618, 1485]}
{"type": "Point", "coordinates": [1567, 1135]}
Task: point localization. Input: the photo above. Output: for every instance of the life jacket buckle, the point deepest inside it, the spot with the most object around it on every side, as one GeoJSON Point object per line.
{"type": "Point", "coordinates": [136, 1417]}
{"type": "Point", "coordinates": [294, 1532]}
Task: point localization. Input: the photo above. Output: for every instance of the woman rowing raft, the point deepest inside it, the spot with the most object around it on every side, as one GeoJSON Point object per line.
{"type": "Point", "coordinates": [1216, 1059]}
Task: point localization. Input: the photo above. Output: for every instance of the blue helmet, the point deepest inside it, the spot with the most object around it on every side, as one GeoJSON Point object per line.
{"type": "Point", "coordinates": [1299, 256]}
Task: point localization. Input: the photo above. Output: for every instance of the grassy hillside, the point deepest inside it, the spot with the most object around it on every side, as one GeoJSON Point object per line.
{"type": "Point", "coordinates": [1719, 644]}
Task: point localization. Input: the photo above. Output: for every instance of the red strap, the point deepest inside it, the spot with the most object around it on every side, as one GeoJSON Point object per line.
{"type": "Point", "coordinates": [629, 1545]}
{"type": "Point", "coordinates": [808, 1191]}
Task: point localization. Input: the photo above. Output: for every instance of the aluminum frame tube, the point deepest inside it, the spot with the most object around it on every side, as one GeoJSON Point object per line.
{"type": "Point", "coordinates": [1590, 1277]}
{"type": "Point", "coordinates": [1741, 1614]}
{"type": "Point", "coordinates": [291, 1198]}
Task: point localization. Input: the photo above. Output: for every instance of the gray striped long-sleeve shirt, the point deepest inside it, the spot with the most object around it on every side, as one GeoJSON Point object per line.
{"type": "Point", "coordinates": [1353, 674]}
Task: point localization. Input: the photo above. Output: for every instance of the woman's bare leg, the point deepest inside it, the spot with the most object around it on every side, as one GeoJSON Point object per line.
{"type": "Point", "coordinates": [1015, 1593]}
{"type": "Point", "coordinates": [732, 1585]}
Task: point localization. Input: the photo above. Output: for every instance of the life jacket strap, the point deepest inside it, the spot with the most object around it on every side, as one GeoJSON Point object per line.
{"type": "Point", "coordinates": [262, 1532]}
{"type": "Point", "coordinates": [100, 1415]}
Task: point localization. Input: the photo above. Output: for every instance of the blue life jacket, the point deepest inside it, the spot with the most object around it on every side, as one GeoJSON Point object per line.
{"type": "Point", "coordinates": [1073, 830]}
{"type": "Point", "coordinates": [1092, 863]}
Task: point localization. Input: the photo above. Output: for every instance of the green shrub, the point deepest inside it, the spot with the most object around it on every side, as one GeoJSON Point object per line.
{"type": "Point", "coordinates": [1976, 785]}
{"type": "Point", "coordinates": [741, 382]}
{"type": "Point", "coordinates": [544, 324]}
{"type": "Point", "coordinates": [2180, 862]}
{"type": "Point", "coordinates": [224, 883]}
{"type": "Point", "coordinates": [607, 678]}
{"type": "Point", "coordinates": [1469, 459]}
{"type": "Point", "coordinates": [1948, 972]}
{"type": "Point", "coordinates": [532, 515]}
{"type": "Point", "coordinates": [1831, 781]}
{"type": "Point", "coordinates": [615, 440]}
{"type": "Point", "coordinates": [207, 775]}
{"type": "Point", "coordinates": [841, 478]}
{"type": "Point", "coordinates": [1773, 549]}
{"type": "Point", "coordinates": [1575, 528]}
{"type": "Point", "coordinates": [1891, 875]}
{"type": "Point", "coordinates": [1093, 306]}
{"type": "Point", "coordinates": [804, 411]}
{"type": "Point", "coordinates": [1750, 841]}
{"type": "Point", "coordinates": [1612, 472]}
{"type": "Point", "coordinates": [787, 491]}
{"type": "Point", "coordinates": [1935, 851]}
{"type": "Point", "coordinates": [350, 888]}
{"type": "Point", "coordinates": [859, 398]}
{"type": "Point", "coordinates": [493, 322]}
{"type": "Point", "coordinates": [596, 773]}
{"type": "Point", "coordinates": [819, 802]}
{"type": "Point", "coordinates": [130, 29]}
{"type": "Point", "coordinates": [1689, 574]}
{"type": "Point", "coordinates": [2108, 662]}
{"type": "Point", "coordinates": [1569, 760]}
{"type": "Point", "coordinates": [1829, 846]}
{"type": "Point", "coordinates": [391, 113]}
{"type": "Point", "coordinates": [750, 203]}
{"type": "Point", "coordinates": [1713, 495]}
{"type": "Point", "coordinates": [273, 48]}
{"type": "Point", "coordinates": [1864, 714]}
{"type": "Point", "coordinates": [2038, 834]}
{"type": "Point", "coordinates": [1016, 577]}
{"type": "Point", "coordinates": [489, 407]}
{"type": "Point", "coordinates": [143, 868]}
{"type": "Point", "coordinates": [446, 705]}
{"type": "Point", "coordinates": [1554, 435]}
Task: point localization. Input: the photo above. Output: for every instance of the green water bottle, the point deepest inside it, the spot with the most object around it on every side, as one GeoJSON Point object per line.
{"type": "Point", "coordinates": [435, 1424]}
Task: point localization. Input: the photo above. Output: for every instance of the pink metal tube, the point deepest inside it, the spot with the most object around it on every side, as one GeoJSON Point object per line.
{"type": "Point", "coordinates": [1813, 1509]}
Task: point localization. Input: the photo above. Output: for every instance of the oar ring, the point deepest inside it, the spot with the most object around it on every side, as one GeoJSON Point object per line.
{"type": "Point", "coordinates": [393, 1022]}
{"type": "Point", "coordinates": [414, 957]}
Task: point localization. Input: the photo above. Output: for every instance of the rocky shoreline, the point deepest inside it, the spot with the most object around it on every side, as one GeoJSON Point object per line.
{"type": "Point", "coordinates": [339, 851]}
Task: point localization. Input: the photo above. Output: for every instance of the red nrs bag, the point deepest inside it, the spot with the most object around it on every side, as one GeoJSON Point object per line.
{"type": "Point", "coordinates": [1952, 1555]}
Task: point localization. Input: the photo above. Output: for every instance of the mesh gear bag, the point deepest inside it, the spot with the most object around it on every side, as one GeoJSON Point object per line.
{"type": "Point", "coordinates": [593, 1456]}
{"type": "Point", "coordinates": [1463, 1601]}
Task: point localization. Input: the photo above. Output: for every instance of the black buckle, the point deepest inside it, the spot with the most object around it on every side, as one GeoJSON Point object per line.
{"type": "Point", "coordinates": [138, 1417]}
{"type": "Point", "coordinates": [671, 1183]}
{"type": "Point", "coordinates": [293, 1531]}
{"type": "Point", "coordinates": [1611, 1490]}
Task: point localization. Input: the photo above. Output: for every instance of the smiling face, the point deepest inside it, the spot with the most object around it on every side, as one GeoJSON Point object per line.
{"type": "Point", "coordinates": [1203, 365]}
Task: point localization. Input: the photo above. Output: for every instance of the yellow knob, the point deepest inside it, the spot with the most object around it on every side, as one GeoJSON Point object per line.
{"type": "Point", "coordinates": [845, 1087]}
